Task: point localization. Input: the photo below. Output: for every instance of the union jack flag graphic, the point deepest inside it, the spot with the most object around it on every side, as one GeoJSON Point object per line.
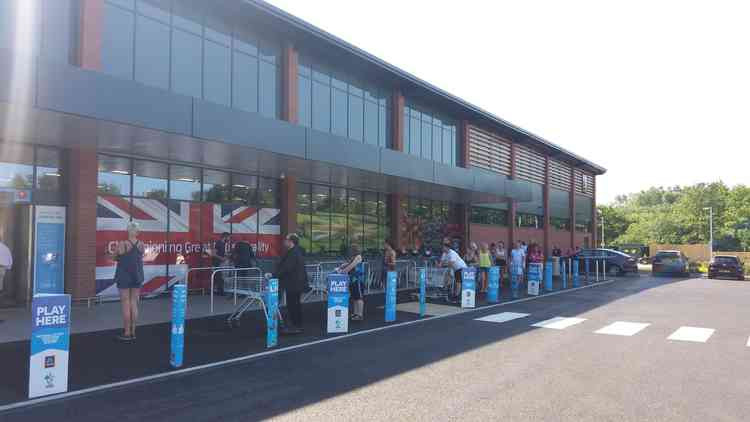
{"type": "Point", "coordinates": [176, 234]}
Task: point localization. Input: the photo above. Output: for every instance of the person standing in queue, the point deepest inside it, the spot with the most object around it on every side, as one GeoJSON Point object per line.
{"type": "Point", "coordinates": [517, 266]}
{"type": "Point", "coordinates": [451, 259]}
{"type": "Point", "coordinates": [219, 259]}
{"type": "Point", "coordinates": [389, 260]}
{"type": "Point", "coordinates": [129, 278]}
{"type": "Point", "coordinates": [485, 262]}
{"type": "Point", "coordinates": [293, 281]}
{"type": "Point", "coordinates": [355, 269]}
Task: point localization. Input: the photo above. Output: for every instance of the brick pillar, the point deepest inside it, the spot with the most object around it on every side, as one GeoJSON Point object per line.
{"type": "Point", "coordinates": [395, 213]}
{"type": "Point", "coordinates": [594, 218]}
{"type": "Point", "coordinates": [397, 121]}
{"type": "Point", "coordinates": [80, 262]}
{"type": "Point", "coordinates": [90, 21]}
{"type": "Point", "coordinates": [289, 85]}
{"type": "Point", "coordinates": [463, 144]}
{"type": "Point", "coordinates": [511, 202]}
{"type": "Point", "coordinates": [572, 208]}
{"type": "Point", "coordinates": [547, 228]}
{"type": "Point", "coordinates": [288, 205]}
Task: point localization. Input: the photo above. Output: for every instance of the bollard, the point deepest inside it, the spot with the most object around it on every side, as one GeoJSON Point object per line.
{"type": "Point", "coordinates": [493, 288]}
{"type": "Point", "coordinates": [177, 339]}
{"type": "Point", "coordinates": [548, 276]}
{"type": "Point", "coordinates": [604, 270]}
{"type": "Point", "coordinates": [422, 292]}
{"type": "Point", "coordinates": [515, 279]}
{"type": "Point", "coordinates": [587, 269]}
{"type": "Point", "coordinates": [564, 274]}
{"type": "Point", "coordinates": [390, 296]}
{"type": "Point", "coordinates": [576, 276]}
{"type": "Point", "coordinates": [272, 313]}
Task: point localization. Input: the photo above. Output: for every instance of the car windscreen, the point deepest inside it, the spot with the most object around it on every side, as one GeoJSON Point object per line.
{"type": "Point", "coordinates": [667, 255]}
{"type": "Point", "coordinates": [725, 260]}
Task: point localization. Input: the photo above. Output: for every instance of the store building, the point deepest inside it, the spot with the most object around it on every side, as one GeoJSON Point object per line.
{"type": "Point", "coordinates": [194, 118]}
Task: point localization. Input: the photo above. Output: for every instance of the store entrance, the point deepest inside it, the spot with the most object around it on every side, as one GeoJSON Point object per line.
{"type": "Point", "coordinates": [15, 234]}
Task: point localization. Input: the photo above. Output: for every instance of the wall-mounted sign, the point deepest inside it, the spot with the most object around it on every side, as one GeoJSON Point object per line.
{"type": "Point", "coordinates": [49, 250]}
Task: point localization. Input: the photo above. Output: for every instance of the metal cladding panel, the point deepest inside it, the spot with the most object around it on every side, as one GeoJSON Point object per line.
{"type": "Point", "coordinates": [530, 165]}
{"type": "Point", "coordinates": [489, 151]}
{"type": "Point", "coordinates": [488, 182]}
{"type": "Point", "coordinates": [559, 176]}
{"type": "Point", "coordinates": [584, 183]}
{"type": "Point", "coordinates": [69, 89]}
{"type": "Point", "coordinates": [395, 163]}
{"type": "Point", "coordinates": [457, 177]}
{"type": "Point", "coordinates": [17, 77]}
{"type": "Point", "coordinates": [518, 190]}
{"type": "Point", "coordinates": [341, 151]}
{"type": "Point", "coordinates": [217, 122]}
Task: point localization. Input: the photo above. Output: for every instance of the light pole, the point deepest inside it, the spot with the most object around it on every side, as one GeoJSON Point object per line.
{"type": "Point", "coordinates": [601, 218]}
{"type": "Point", "coordinates": [711, 231]}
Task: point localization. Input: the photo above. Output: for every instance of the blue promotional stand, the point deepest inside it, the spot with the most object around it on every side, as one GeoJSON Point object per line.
{"type": "Point", "coordinates": [548, 275]}
{"type": "Point", "coordinates": [493, 289]}
{"type": "Point", "coordinates": [576, 276]}
{"type": "Point", "coordinates": [272, 313]}
{"type": "Point", "coordinates": [177, 339]}
{"type": "Point", "coordinates": [534, 279]}
{"type": "Point", "coordinates": [338, 303]}
{"type": "Point", "coordinates": [468, 287]}
{"type": "Point", "coordinates": [516, 272]}
{"type": "Point", "coordinates": [422, 292]}
{"type": "Point", "coordinates": [390, 296]}
{"type": "Point", "coordinates": [50, 344]}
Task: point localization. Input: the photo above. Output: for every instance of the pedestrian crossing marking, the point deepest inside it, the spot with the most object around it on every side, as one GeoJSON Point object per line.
{"type": "Point", "coordinates": [502, 317]}
{"type": "Point", "coordinates": [623, 328]}
{"type": "Point", "coordinates": [695, 334]}
{"type": "Point", "coordinates": [559, 323]}
{"type": "Point", "coordinates": [748, 342]}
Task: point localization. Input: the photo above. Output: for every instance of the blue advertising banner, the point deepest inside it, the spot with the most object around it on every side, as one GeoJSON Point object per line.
{"type": "Point", "coordinates": [338, 303]}
{"type": "Point", "coordinates": [177, 339]}
{"type": "Point", "coordinates": [390, 296]}
{"type": "Point", "coordinates": [534, 278]}
{"type": "Point", "coordinates": [272, 312]}
{"type": "Point", "coordinates": [493, 287]}
{"type": "Point", "coordinates": [548, 275]}
{"type": "Point", "coordinates": [576, 276]}
{"type": "Point", "coordinates": [50, 345]}
{"type": "Point", "coordinates": [49, 250]}
{"type": "Point", "coordinates": [422, 292]}
{"type": "Point", "coordinates": [468, 287]}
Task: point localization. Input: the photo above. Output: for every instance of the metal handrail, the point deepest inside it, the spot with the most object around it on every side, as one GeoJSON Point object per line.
{"type": "Point", "coordinates": [213, 277]}
{"type": "Point", "coordinates": [187, 273]}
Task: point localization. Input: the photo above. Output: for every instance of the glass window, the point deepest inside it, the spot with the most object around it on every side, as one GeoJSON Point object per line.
{"type": "Point", "coordinates": [340, 111]}
{"type": "Point", "coordinates": [269, 51]}
{"type": "Point", "coordinates": [185, 15]}
{"type": "Point", "coordinates": [117, 42]}
{"type": "Point", "coordinates": [448, 143]}
{"type": "Point", "coordinates": [321, 219]}
{"type": "Point", "coordinates": [355, 221]}
{"type": "Point", "coordinates": [383, 134]}
{"type": "Point", "coordinates": [185, 183]}
{"type": "Point", "coordinates": [305, 101]}
{"type": "Point", "coordinates": [321, 107]}
{"type": "Point", "coordinates": [415, 135]}
{"type": "Point", "coordinates": [152, 53]}
{"type": "Point", "coordinates": [372, 242]}
{"type": "Point", "coordinates": [268, 90]}
{"type": "Point", "coordinates": [356, 123]}
{"type": "Point", "coordinates": [56, 29]}
{"type": "Point", "coordinates": [437, 143]}
{"type": "Point", "coordinates": [155, 9]}
{"type": "Point", "coordinates": [245, 82]}
{"type": "Point", "coordinates": [216, 27]}
{"type": "Point", "coordinates": [114, 175]}
{"type": "Point", "coordinates": [339, 201]}
{"type": "Point", "coordinates": [149, 179]}
{"type": "Point", "coordinates": [489, 216]}
{"type": "Point", "coordinates": [426, 140]}
{"type": "Point", "coordinates": [48, 169]}
{"type": "Point", "coordinates": [407, 130]}
{"type": "Point", "coordinates": [268, 193]}
{"type": "Point", "coordinates": [584, 210]}
{"type": "Point", "coordinates": [216, 73]}
{"type": "Point", "coordinates": [187, 70]}
{"type": "Point", "coordinates": [304, 215]}
{"type": "Point", "coordinates": [245, 41]}
{"type": "Point", "coordinates": [128, 4]}
{"type": "Point", "coordinates": [244, 189]}
{"type": "Point", "coordinates": [216, 186]}
{"type": "Point", "coordinates": [16, 166]}
{"type": "Point", "coordinates": [371, 123]}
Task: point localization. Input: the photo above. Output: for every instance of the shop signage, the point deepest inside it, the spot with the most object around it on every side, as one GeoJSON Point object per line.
{"type": "Point", "coordinates": [534, 278]}
{"type": "Point", "coordinates": [468, 287]}
{"type": "Point", "coordinates": [493, 288]}
{"type": "Point", "coordinates": [50, 343]}
{"type": "Point", "coordinates": [272, 312]}
{"type": "Point", "coordinates": [422, 292]}
{"type": "Point", "coordinates": [338, 303]}
{"type": "Point", "coordinates": [177, 341]}
{"type": "Point", "coordinates": [49, 250]}
{"type": "Point", "coordinates": [390, 296]}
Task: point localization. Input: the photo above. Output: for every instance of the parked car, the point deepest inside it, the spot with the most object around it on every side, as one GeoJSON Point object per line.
{"type": "Point", "coordinates": [617, 263]}
{"type": "Point", "coordinates": [670, 262]}
{"type": "Point", "coordinates": [726, 266]}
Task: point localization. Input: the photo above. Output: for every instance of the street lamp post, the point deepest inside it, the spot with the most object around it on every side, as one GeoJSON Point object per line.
{"type": "Point", "coordinates": [601, 218]}
{"type": "Point", "coordinates": [711, 231]}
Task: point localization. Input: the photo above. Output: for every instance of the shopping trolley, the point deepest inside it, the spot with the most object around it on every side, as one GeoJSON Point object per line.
{"type": "Point", "coordinates": [254, 289]}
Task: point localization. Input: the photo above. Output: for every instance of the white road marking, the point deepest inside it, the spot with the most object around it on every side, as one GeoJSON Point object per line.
{"type": "Point", "coordinates": [502, 317]}
{"type": "Point", "coordinates": [696, 334]}
{"type": "Point", "coordinates": [559, 323]}
{"type": "Point", "coordinates": [748, 342]}
{"type": "Point", "coordinates": [623, 328]}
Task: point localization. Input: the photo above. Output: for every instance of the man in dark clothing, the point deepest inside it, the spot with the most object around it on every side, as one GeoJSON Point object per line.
{"type": "Point", "coordinates": [218, 259]}
{"type": "Point", "coordinates": [293, 281]}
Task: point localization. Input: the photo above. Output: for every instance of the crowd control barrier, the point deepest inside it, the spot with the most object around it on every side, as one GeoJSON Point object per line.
{"type": "Point", "coordinates": [246, 284]}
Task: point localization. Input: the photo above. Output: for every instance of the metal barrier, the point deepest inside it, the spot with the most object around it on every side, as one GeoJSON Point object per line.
{"type": "Point", "coordinates": [318, 286]}
{"type": "Point", "coordinates": [439, 281]}
{"type": "Point", "coordinates": [186, 280]}
{"type": "Point", "coordinates": [407, 274]}
{"type": "Point", "coordinates": [247, 280]}
{"type": "Point", "coordinates": [256, 294]}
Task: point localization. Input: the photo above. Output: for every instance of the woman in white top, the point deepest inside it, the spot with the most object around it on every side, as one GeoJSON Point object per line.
{"type": "Point", "coordinates": [517, 264]}
{"type": "Point", "coordinates": [451, 259]}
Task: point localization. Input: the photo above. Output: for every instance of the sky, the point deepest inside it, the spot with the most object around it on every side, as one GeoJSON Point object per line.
{"type": "Point", "coordinates": [657, 92]}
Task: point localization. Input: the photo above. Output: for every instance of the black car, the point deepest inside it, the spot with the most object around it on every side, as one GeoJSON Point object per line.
{"type": "Point", "coordinates": [617, 263]}
{"type": "Point", "coordinates": [726, 266]}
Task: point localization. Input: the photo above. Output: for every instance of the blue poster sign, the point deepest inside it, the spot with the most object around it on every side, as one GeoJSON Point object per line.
{"type": "Point", "coordinates": [338, 303]}
{"type": "Point", "coordinates": [548, 275]}
{"type": "Point", "coordinates": [422, 292]}
{"type": "Point", "coordinates": [468, 287]}
{"type": "Point", "coordinates": [49, 250]}
{"type": "Point", "coordinates": [576, 276]}
{"type": "Point", "coordinates": [390, 296]}
{"type": "Point", "coordinates": [177, 339]}
{"type": "Point", "coordinates": [534, 278]}
{"type": "Point", "coordinates": [50, 345]}
{"type": "Point", "coordinates": [493, 288]}
{"type": "Point", "coordinates": [272, 312]}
